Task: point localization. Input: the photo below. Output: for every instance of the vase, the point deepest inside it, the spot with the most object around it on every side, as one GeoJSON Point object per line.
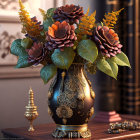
{"type": "Point", "coordinates": [70, 103]}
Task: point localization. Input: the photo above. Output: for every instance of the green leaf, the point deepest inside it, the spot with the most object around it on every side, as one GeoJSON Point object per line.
{"type": "Point", "coordinates": [26, 43]}
{"type": "Point", "coordinates": [48, 22]}
{"type": "Point", "coordinates": [50, 12]}
{"type": "Point", "coordinates": [121, 59]}
{"type": "Point", "coordinates": [105, 67]}
{"type": "Point", "coordinates": [63, 59]}
{"type": "Point", "coordinates": [49, 18]}
{"type": "Point", "coordinates": [114, 67]}
{"type": "Point", "coordinates": [88, 50]}
{"type": "Point", "coordinates": [17, 49]}
{"type": "Point", "coordinates": [47, 72]}
{"type": "Point", "coordinates": [23, 62]}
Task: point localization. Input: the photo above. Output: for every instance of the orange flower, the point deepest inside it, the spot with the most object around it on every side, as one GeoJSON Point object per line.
{"type": "Point", "coordinates": [60, 35]}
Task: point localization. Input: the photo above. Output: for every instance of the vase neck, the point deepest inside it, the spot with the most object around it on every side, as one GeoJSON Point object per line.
{"type": "Point", "coordinates": [74, 69]}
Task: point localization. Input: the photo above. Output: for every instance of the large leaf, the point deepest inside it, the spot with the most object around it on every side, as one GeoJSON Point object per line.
{"type": "Point", "coordinates": [113, 66]}
{"type": "Point", "coordinates": [88, 50]}
{"type": "Point", "coordinates": [63, 59]}
{"type": "Point", "coordinates": [105, 67]}
{"type": "Point", "coordinates": [23, 62]}
{"type": "Point", "coordinates": [50, 12]}
{"type": "Point", "coordinates": [48, 22]}
{"type": "Point", "coordinates": [47, 72]}
{"type": "Point", "coordinates": [121, 59]}
{"type": "Point", "coordinates": [17, 49]}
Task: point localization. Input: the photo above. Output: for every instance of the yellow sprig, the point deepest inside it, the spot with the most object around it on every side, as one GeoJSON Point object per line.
{"type": "Point", "coordinates": [43, 13]}
{"type": "Point", "coordinates": [87, 24]}
{"type": "Point", "coordinates": [30, 27]}
{"type": "Point", "coordinates": [111, 18]}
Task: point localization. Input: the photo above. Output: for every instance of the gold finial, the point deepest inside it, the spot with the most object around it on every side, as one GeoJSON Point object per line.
{"type": "Point", "coordinates": [31, 110]}
{"type": "Point", "coordinates": [63, 74]}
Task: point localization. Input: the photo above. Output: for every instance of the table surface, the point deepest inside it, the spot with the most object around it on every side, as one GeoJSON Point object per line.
{"type": "Point", "coordinates": [99, 131]}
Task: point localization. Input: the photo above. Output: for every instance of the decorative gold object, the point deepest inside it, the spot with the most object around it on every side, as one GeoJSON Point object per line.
{"type": "Point", "coordinates": [31, 110]}
{"type": "Point", "coordinates": [64, 112]}
{"type": "Point", "coordinates": [49, 111]}
{"type": "Point", "coordinates": [92, 93]}
{"type": "Point", "coordinates": [117, 127]}
{"type": "Point", "coordinates": [72, 131]}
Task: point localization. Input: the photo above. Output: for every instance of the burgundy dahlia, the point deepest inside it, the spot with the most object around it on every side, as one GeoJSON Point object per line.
{"type": "Point", "coordinates": [107, 41]}
{"type": "Point", "coordinates": [37, 53]}
{"type": "Point", "coordinates": [70, 13]}
{"type": "Point", "coordinates": [60, 35]}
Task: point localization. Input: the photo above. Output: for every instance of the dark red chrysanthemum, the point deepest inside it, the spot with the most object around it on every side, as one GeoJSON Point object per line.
{"type": "Point", "coordinates": [70, 13]}
{"type": "Point", "coordinates": [37, 53]}
{"type": "Point", "coordinates": [107, 41]}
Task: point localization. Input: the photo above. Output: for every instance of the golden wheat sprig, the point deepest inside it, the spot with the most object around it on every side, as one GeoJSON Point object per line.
{"type": "Point", "coordinates": [30, 27]}
{"type": "Point", "coordinates": [86, 25]}
{"type": "Point", "coordinates": [43, 13]}
{"type": "Point", "coordinates": [111, 18]}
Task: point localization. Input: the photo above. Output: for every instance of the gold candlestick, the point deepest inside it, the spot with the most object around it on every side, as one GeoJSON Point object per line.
{"type": "Point", "coordinates": [31, 110]}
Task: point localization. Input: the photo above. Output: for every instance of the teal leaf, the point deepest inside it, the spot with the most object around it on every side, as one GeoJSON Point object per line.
{"type": "Point", "coordinates": [121, 59]}
{"type": "Point", "coordinates": [113, 66]}
{"type": "Point", "coordinates": [63, 59]}
{"type": "Point", "coordinates": [23, 62]}
{"type": "Point", "coordinates": [48, 72]}
{"type": "Point", "coordinates": [48, 22]}
{"type": "Point", "coordinates": [49, 18]}
{"type": "Point", "coordinates": [50, 12]}
{"type": "Point", "coordinates": [105, 67]}
{"type": "Point", "coordinates": [88, 50]}
{"type": "Point", "coordinates": [17, 49]}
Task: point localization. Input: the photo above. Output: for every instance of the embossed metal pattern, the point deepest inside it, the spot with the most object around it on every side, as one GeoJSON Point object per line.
{"type": "Point", "coordinates": [71, 100]}
{"type": "Point", "coordinates": [72, 127]}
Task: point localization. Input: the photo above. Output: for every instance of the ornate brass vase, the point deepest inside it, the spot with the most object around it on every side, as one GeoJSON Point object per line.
{"type": "Point", "coordinates": [70, 103]}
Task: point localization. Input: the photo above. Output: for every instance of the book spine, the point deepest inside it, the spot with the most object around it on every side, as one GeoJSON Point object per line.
{"type": "Point", "coordinates": [131, 77]}
{"type": "Point", "coordinates": [129, 33]}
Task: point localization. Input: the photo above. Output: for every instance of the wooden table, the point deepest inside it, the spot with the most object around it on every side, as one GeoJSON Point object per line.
{"type": "Point", "coordinates": [99, 132]}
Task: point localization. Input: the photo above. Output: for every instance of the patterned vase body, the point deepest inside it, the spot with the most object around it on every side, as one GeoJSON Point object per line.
{"type": "Point", "coordinates": [70, 103]}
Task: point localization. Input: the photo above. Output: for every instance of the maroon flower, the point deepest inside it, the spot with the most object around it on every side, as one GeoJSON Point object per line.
{"type": "Point", "coordinates": [107, 41]}
{"type": "Point", "coordinates": [70, 13]}
{"type": "Point", "coordinates": [37, 53]}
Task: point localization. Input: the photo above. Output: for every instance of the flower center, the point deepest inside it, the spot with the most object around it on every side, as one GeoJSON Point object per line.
{"type": "Point", "coordinates": [60, 33]}
{"type": "Point", "coordinates": [68, 9]}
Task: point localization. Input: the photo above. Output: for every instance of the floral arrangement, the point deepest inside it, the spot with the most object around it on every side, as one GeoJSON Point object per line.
{"type": "Point", "coordinates": [68, 36]}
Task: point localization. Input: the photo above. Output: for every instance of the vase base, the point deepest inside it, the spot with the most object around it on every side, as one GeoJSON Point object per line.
{"type": "Point", "coordinates": [71, 131]}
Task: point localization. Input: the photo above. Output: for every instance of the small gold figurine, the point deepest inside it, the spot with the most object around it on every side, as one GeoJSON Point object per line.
{"type": "Point", "coordinates": [31, 110]}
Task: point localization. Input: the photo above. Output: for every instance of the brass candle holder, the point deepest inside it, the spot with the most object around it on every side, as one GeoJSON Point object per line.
{"type": "Point", "coordinates": [31, 110]}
